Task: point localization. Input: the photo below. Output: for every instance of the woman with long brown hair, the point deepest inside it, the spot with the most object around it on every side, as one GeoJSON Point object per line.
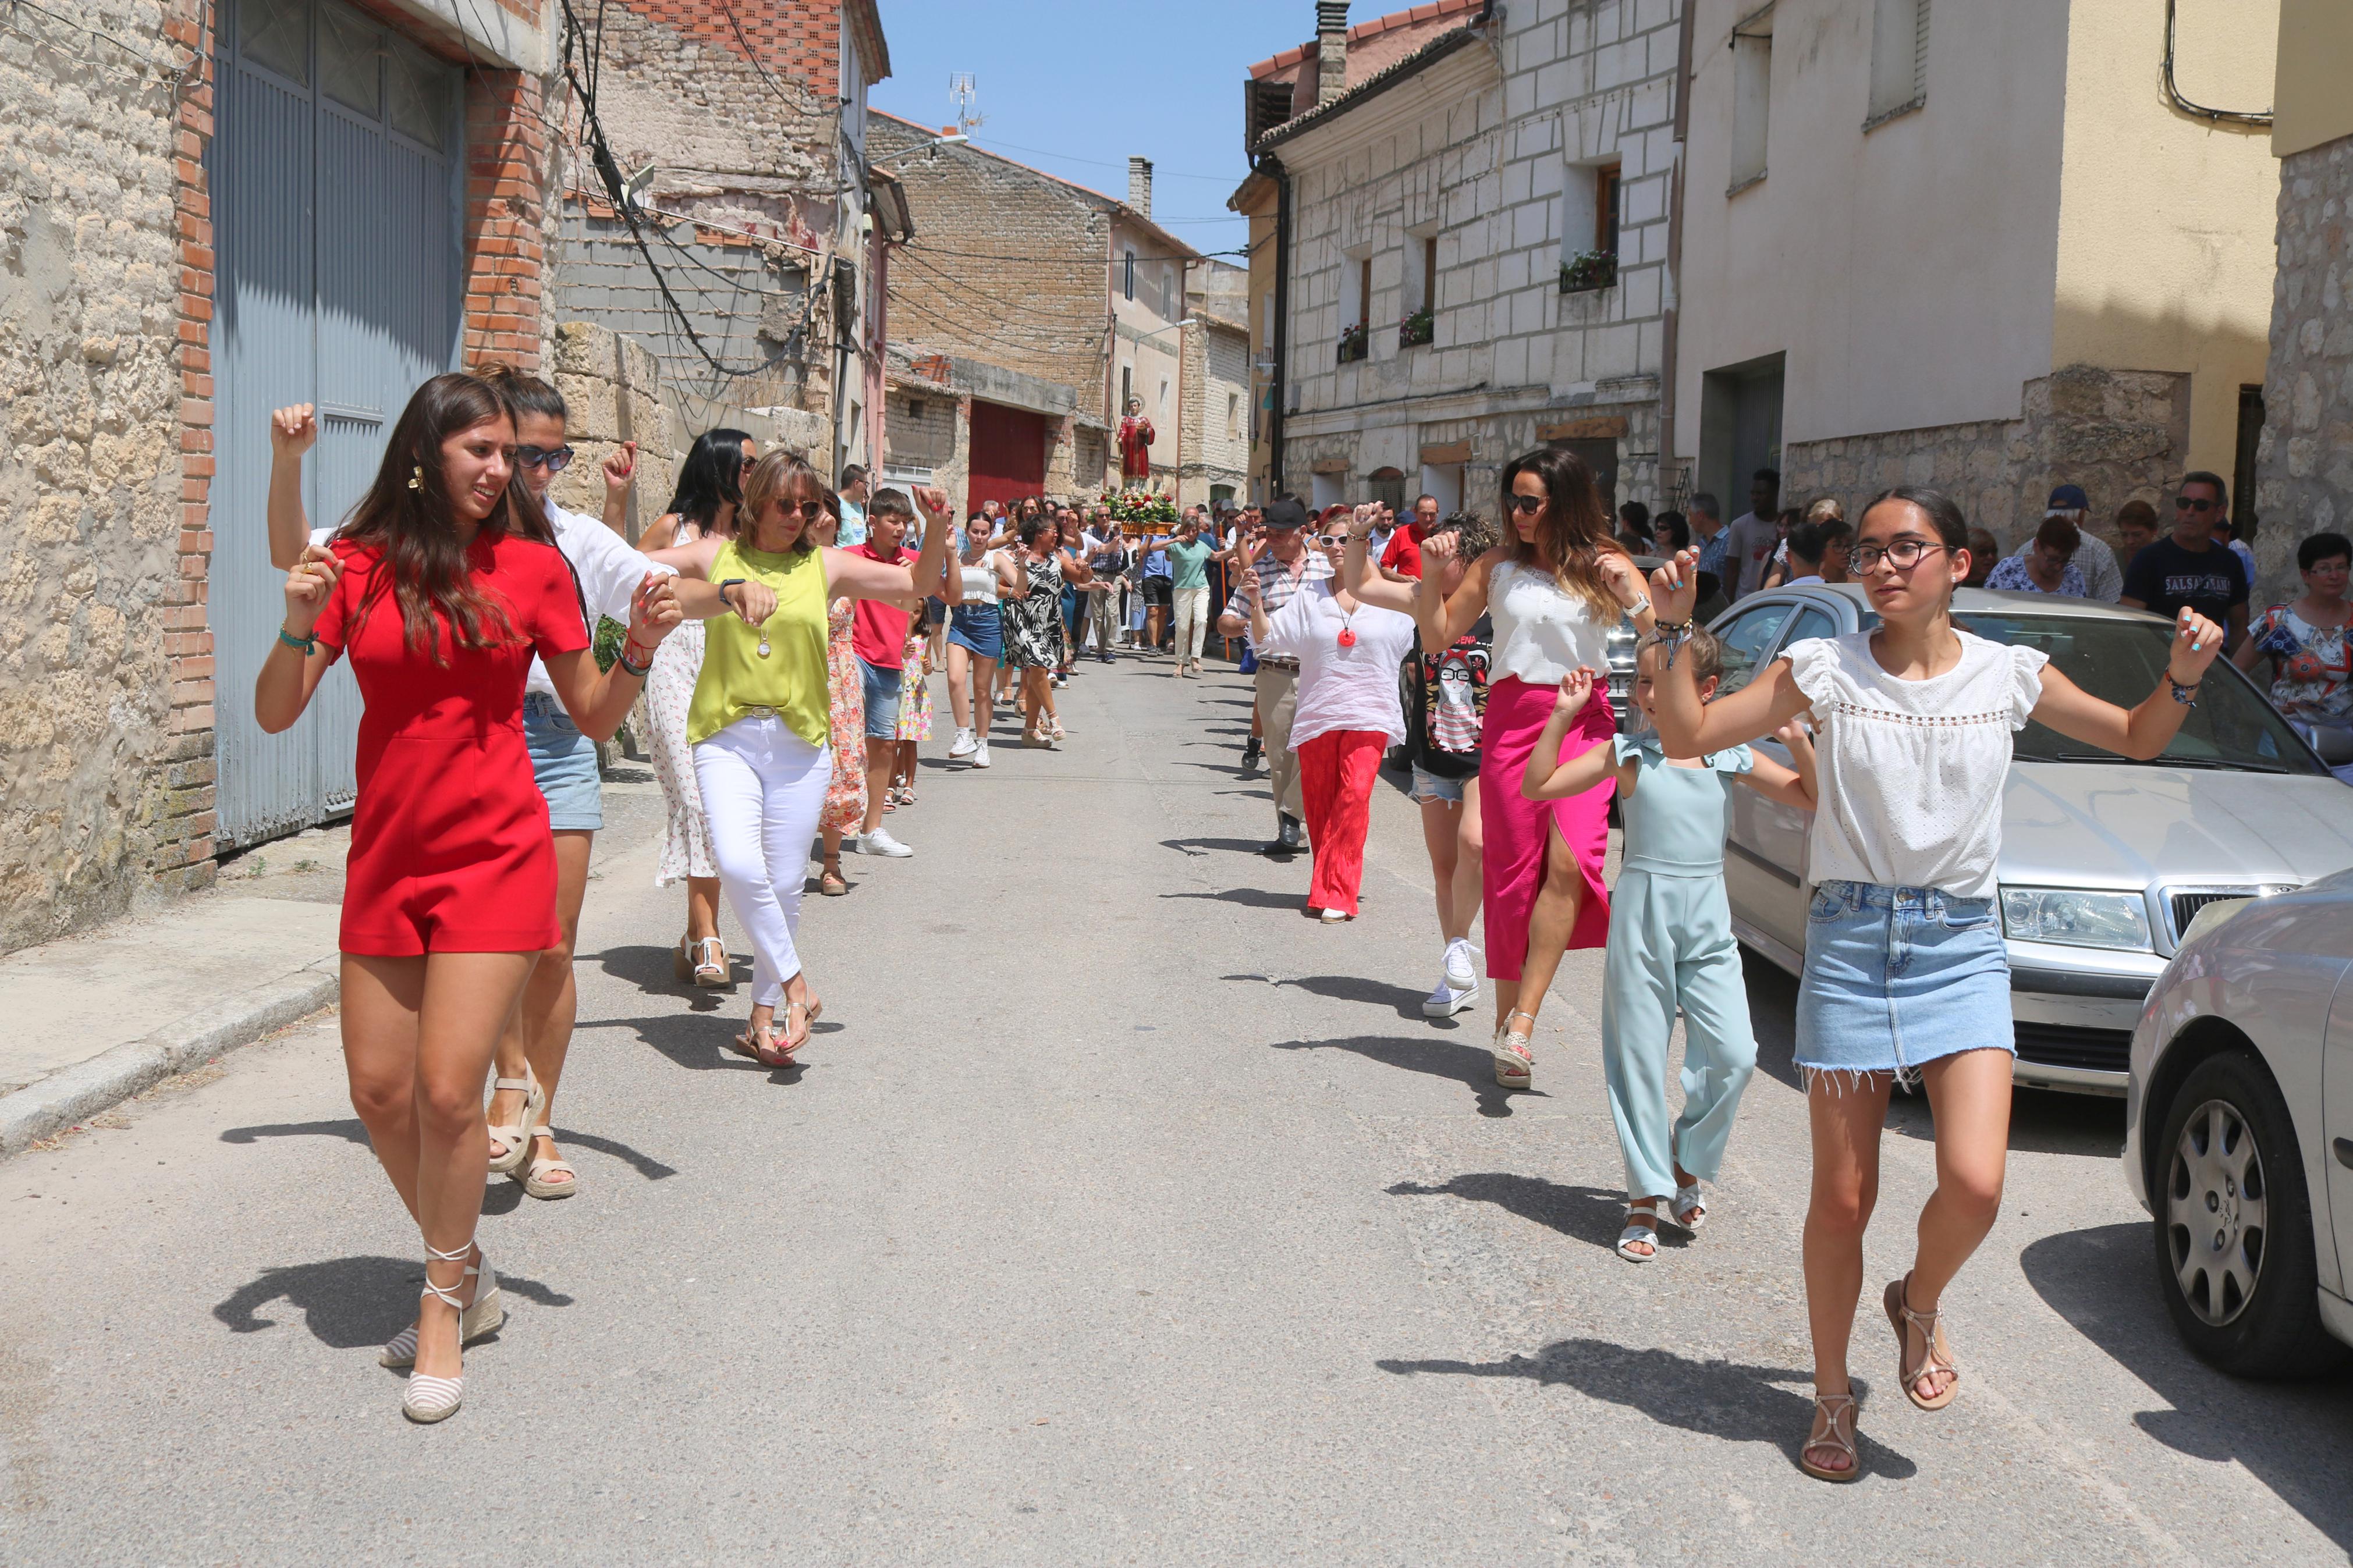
{"type": "Point", "coordinates": [1553, 589]}
{"type": "Point", "coordinates": [761, 727]}
{"type": "Point", "coordinates": [442, 585]}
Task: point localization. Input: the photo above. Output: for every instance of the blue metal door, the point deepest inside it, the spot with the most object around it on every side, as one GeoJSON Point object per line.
{"type": "Point", "coordinates": [335, 173]}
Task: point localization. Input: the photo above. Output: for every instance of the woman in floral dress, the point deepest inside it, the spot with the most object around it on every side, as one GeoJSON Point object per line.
{"type": "Point", "coordinates": [1033, 631]}
{"type": "Point", "coordinates": [844, 795]}
{"type": "Point", "coordinates": [914, 708]}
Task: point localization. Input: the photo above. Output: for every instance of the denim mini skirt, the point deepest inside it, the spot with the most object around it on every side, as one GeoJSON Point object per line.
{"type": "Point", "coordinates": [978, 629]}
{"type": "Point", "coordinates": [1896, 977]}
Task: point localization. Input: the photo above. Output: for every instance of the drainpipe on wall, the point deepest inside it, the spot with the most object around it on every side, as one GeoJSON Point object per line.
{"type": "Point", "coordinates": [1279, 347]}
{"type": "Point", "coordinates": [1670, 331]}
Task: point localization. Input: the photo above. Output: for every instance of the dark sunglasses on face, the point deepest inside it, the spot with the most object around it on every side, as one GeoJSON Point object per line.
{"type": "Point", "coordinates": [810, 510]}
{"type": "Point", "coordinates": [554, 459]}
{"type": "Point", "coordinates": [1526, 504]}
{"type": "Point", "coordinates": [2186, 503]}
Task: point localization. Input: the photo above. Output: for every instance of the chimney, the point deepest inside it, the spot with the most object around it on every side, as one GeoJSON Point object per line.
{"type": "Point", "coordinates": [1139, 185]}
{"type": "Point", "coordinates": [1331, 50]}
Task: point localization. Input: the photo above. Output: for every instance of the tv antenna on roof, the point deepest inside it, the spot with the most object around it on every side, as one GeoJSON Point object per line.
{"type": "Point", "coordinates": [965, 93]}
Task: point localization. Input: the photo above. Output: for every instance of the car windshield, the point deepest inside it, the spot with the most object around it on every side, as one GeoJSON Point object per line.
{"type": "Point", "coordinates": [2121, 661]}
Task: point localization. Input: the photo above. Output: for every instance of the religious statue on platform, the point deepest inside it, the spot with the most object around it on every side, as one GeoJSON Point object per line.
{"type": "Point", "coordinates": [1135, 439]}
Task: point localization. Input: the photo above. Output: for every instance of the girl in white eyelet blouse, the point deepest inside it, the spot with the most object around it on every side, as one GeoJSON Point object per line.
{"type": "Point", "coordinates": [1905, 972]}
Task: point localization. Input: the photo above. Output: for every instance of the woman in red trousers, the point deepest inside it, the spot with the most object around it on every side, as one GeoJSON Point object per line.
{"type": "Point", "coordinates": [443, 584]}
{"type": "Point", "coordinates": [1348, 713]}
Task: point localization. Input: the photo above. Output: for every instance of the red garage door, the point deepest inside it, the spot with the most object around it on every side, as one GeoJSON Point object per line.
{"type": "Point", "coordinates": [1008, 454]}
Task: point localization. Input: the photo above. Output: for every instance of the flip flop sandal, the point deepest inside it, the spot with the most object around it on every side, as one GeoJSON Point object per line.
{"type": "Point", "coordinates": [1833, 1407]}
{"type": "Point", "coordinates": [1640, 1234]}
{"type": "Point", "coordinates": [1900, 1315]}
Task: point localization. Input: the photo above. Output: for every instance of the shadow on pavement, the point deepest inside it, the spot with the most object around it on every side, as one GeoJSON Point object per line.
{"type": "Point", "coordinates": [1403, 1000]}
{"type": "Point", "coordinates": [1468, 1064]}
{"type": "Point", "coordinates": [649, 969]}
{"type": "Point", "coordinates": [1582, 1213]}
{"type": "Point", "coordinates": [699, 1045]}
{"type": "Point", "coordinates": [1719, 1399]}
{"type": "Point", "coordinates": [2291, 1436]}
{"type": "Point", "coordinates": [1253, 897]}
{"type": "Point", "coordinates": [348, 1302]}
{"type": "Point", "coordinates": [351, 1132]}
{"type": "Point", "coordinates": [1201, 846]}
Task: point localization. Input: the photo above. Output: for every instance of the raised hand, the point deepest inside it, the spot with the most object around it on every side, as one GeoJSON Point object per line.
{"type": "Point", "coordinates": [1617, 572]}
{"type": "Point", "coordinates": [1674, 586]}
{"type": "Point", "coordinates": [620, 467]}
{"type": "Point", "coordinates": [932, 499]}
{"type": "Point", "coordinates": [1436, 552]}
{"type": "Point", "coordinates": [308, 584]}
{"type": "Point", "coordinates": [293, 430]}
{"type": "Point", "coordinates": [654, 610]}
{"type": "Point", "coordinates": [1362, 523]}
{"type": "Point", "coordinates": [2196, 643]}
{"type": "Point", "coordinates": [1575, 691]}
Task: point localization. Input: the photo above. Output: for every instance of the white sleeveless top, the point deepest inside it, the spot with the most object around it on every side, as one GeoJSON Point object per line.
{"type": "Point", "coordinates": [980, 584]}
{"type": "Point", "coordinates": [1541, 632]}
{"type": "Point", "coordinates": [1913, 772]}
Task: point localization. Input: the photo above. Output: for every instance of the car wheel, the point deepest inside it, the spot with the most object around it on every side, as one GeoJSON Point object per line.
{"type": "Point", "coordinates": [2233, 1225]}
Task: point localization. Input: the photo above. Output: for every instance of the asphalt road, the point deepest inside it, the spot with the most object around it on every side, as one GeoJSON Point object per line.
{"type": "Point", "coordinates": [1119, 1214]}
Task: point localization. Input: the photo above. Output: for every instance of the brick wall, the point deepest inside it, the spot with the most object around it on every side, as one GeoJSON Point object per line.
{"type": "Point", "coordinates": [507, 176]}
{"type": "Point", "coordinates": [2304, 466]}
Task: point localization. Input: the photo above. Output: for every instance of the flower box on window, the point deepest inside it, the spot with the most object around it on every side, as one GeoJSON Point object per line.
{"type": "Point", "coordinates": [1356, 343]}
{"type": "Point", "coordinates": [1418, 329]}
{"type": "Point", "coordinates": [1588, 270]}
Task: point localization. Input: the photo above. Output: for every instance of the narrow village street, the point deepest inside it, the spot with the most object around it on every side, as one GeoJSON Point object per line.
{"type": "Point", "coordinates": [1118, 1215]}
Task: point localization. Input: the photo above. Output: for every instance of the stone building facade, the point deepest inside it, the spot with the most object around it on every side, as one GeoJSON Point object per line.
{"type": "Point", "coordinates": [753, 124]}
{"type": "Point", "coordinates": [1478, 256]}
{"type": "Point", "coordinates": [113, 280]}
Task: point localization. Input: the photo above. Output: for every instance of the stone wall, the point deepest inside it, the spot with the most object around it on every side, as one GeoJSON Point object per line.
{"type": "Point", "coordinates": [2121, 434]}
{"type": "Point", "coordinates": [2304, 465]}
{"type": "Point", "coordinates": [612, 389]}
{"type": "Point", "coordinates": [103, 782]}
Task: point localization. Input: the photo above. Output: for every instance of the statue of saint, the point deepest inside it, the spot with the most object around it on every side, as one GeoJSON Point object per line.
{"type": "Point", "coordinates": [1135, 439]}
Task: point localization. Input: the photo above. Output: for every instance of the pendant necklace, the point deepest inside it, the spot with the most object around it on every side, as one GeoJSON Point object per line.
{"type": "Point", "coordinates": [1347, 631]}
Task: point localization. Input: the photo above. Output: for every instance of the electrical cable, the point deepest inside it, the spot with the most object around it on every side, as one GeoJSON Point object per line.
{"type": "Point", "coordinates": [2252, 119]}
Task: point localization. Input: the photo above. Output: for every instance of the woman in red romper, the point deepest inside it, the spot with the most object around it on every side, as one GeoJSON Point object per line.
{"type": "Point", "coordinates": [442, 584]}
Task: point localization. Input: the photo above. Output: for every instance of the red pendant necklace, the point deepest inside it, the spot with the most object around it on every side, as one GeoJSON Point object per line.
{"type": "Point", "coordinates": [1347, 630]}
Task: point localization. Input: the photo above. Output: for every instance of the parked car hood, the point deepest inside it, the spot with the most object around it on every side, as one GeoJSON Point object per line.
{"type": "Point", "coordinates": [2126, 825]}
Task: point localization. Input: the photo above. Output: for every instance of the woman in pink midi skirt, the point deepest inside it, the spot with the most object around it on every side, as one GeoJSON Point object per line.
{"type": "Point", "coordinates": [1554, 590]}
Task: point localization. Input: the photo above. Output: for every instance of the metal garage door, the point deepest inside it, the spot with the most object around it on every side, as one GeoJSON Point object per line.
{"type": "Point", "coordinates": [335, 170]}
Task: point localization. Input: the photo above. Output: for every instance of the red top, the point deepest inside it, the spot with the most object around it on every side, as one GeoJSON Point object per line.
{"type": "Point", "coordinates": [1404, 553]}
{"type": "Point", "coordinates": [880, 635]}
{"type": "Point", "coordinates": [450, 846]}
{"type": "Point", "coordinates": [1135, 439]}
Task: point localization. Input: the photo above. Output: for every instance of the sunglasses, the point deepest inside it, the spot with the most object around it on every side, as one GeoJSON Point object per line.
{"type": "Point", "coordinates": [2184, 503]}
{"type": "Point", "coordinates": [810, 510]}
{"type": "Point", "coordinates": [1527, 505]}
{"type": "Point", "coordinates": [554, 459]}
{"type": "Point", "coordinates": [1332, 539]}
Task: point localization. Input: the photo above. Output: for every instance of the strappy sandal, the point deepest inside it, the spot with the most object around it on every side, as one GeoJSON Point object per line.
{"type": "Point", "coordinates": [1828, 1409]}
{"type": "Point", "coordinates": [1640, 1234]}
{"type": "Point", "coordinates": [516, 1137]}
{"type": "Point", "coordinates": [711, 963]}
{"type": "Point", "coordinates": [1901, 1317]}
{"type": "Point", "coordinates": [1515, 1061]}
{"type": "Point", "coordinates": [832, 883]}
{"type": "Point", "coordinates": [423, 1399]}
{"type": "Point", "coordinates": [534, 1179]}
{"type": "Point", "coordinates": [477, 1321]}
{"type": "Point", "coordinates": [1690, 1208]}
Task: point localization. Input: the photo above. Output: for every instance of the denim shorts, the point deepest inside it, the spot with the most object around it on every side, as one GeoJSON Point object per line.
{"type": "Point", "coordinates": [1428, 786]}
{"type": "Point", "coordinates": [1899, 976]}
{"type": "Point", "coordinates": [564, 761]}
{"type": "Point", "coordinates": [881, 701]}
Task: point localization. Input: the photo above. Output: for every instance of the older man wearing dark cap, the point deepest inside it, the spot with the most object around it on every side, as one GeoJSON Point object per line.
{"type": "Point", "coordinates": [2103, 578]}
{"type": "Point", "coordinates": [1283, 564]}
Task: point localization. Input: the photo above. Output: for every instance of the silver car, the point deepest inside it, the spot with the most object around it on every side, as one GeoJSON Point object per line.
{"type": "Point", "coordinates": [2239, 1130]}
{"type": "Point", "coordinates": [2103, 860]}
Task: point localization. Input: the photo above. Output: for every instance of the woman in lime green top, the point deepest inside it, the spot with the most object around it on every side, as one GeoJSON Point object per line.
{"type": "Point", "coordinates": [758, 723]}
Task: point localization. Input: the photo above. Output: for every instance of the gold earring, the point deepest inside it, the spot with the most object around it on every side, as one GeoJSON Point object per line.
{"type": "Point", "coordinates": [417, 478]}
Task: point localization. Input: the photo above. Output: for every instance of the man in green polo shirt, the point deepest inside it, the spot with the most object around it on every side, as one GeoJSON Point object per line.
{"type": "Point", "coordinates": [1188, 559]}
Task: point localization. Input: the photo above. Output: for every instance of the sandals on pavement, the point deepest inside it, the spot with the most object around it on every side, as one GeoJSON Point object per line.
{"type": "Point", "coordinates": [479, 1320]}
{"type": "Point", "coordinates": [699, 963]}
{"type": "Point", "coordinates": [832, 883]}
{"type": "Point", "coordinates": [535, 1178]}
{"type": "Point", "coordinates": [1830, 1411]}
{"type": "Point", "coordinates": [1515, 1061]}
{"type": "Point", "coordinates": [1690, 1207]}
{"type": "Point", "coordinates": [1929, 1326]}
{"type": "Point", "coordinates": [515, 1137]}
{"type": "Point", "coordinates": [423, 1399]}
{"type": "Point", "coordinates": [1642, 1236]}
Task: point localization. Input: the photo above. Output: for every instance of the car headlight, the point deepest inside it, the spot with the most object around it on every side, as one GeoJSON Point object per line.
{"type": "Point", "coordinates": [2075, 918]}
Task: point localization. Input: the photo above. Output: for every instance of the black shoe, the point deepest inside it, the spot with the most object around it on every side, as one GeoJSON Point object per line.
{"type": "Point", "coordinates": [1251, 753]}
{"type": "Point", "coordinates": [1288, 840]}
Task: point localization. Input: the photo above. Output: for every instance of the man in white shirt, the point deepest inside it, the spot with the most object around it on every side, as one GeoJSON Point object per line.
{"type": "Point", "coordinates": [1753, 536]}
{"type": "Point", "coordinates": [2101, 576]}
{"type": "Point", "coordinates": [563, 761]}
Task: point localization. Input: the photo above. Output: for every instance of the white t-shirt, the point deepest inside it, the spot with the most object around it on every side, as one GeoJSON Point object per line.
{"type": "Point", "coordinates": [1541, 632]}
{"type": "Point", "coordinates": [607, 569]}
{"type": "Point", "coordinates": [1351, 687]}
{"type": "Point", "coordinates": [1913, 772]}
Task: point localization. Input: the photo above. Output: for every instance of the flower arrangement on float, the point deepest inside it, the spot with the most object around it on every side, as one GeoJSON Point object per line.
{"type": "Point", "coordinates": [1135, 508]}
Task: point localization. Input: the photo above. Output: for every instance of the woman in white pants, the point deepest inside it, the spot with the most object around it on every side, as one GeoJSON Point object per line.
{"type": "Point", "coordinates": [760, 722]}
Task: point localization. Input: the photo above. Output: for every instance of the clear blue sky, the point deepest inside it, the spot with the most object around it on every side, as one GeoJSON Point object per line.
{"type": "Point", "coordinates": [1074, 89]}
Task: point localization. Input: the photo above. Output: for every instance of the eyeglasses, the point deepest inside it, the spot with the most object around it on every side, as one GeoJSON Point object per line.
{"type": "Point", "coordinates": [1904, 554]}
{"type": "Point", "coordinates": [1526, 504]}
{"type": "Point", "coordinates": [2185, 503]}
{"type": "Point", "coordinates": [810, 510]}
{"type": "Point", "coordinates": [554, 459]}
{"type": "Point", "coordinates": [1333, 538]}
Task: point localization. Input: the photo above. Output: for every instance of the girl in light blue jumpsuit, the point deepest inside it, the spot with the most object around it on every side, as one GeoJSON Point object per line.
{"type": "Point", "coordinates": [1671, 941]}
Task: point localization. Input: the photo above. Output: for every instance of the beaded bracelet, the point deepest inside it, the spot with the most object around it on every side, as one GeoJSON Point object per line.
{"type": "Point", "coordinates": [305, 645]}
{"type": "Point", "coordinates": [1672, 635]}
{"type": "Point", "coordinates": [2185, 695]}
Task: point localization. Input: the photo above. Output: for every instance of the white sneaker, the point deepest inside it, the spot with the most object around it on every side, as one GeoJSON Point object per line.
{"type": "Point", "coordinates": [879, 842]}
{"type": "Point", "coordinates": [1461, 973]}
{"type": "Point", "coordinates": [963, 744]}
{"type": "Point", "coordinates": [1448, 999]}
{"type": "Point", "coordinates": [980, 754]}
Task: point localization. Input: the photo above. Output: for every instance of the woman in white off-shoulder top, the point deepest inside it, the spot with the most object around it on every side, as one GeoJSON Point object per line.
{"type": "Point", "coordinates": [1906, 975]}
